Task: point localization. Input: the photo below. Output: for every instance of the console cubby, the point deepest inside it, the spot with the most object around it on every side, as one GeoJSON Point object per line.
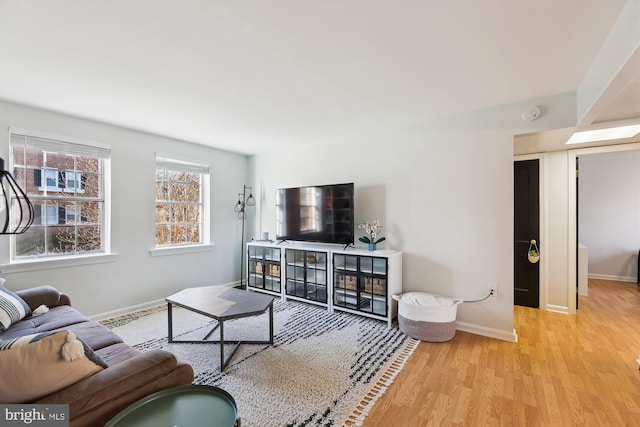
{"type": "Point", "coordinates": [264, 267]}
{"type": "Point", "coordinates": [363, 283]}
{"type": "Point", "coordinates": [306, 275]}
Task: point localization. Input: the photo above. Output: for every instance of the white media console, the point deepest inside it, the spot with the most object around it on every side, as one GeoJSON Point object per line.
{"type": "Point", "coordinates": [352, 280]}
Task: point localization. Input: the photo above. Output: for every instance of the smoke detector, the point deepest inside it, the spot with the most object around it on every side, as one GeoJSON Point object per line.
{"type": "Point", "coordinates": [530, 114]}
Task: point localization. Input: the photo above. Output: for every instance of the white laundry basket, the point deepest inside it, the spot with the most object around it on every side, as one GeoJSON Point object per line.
{"type": "Point", "coordinates": [427, 317]}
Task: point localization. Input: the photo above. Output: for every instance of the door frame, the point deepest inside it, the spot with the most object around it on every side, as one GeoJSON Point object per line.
{"type": "Point", "coordinates": [544, 276]}
{"type": "Point", "coordinates": [573, 210]}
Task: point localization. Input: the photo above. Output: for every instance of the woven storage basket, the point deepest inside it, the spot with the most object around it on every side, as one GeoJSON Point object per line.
{"type": "Point", "coordinates": [427, 317]}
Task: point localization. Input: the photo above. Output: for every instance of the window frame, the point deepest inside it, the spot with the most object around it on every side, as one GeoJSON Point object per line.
{"type": "Point", "coordinates": [87, 148]}
{"type": "Point", "coordinates": [176, 164]}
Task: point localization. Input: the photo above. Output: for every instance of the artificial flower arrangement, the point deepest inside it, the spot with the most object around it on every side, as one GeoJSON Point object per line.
{"type": "Point", "coordinates": [372, 231]}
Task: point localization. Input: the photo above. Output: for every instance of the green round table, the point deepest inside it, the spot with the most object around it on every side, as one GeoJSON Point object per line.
{"type": "Point", "coordinates": [183, 406]}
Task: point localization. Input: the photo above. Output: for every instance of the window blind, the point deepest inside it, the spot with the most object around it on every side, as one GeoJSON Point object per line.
{"type": "Point", "coordinates": [179, 165]}
{"type": "Point", "coordinates": [41, 141]}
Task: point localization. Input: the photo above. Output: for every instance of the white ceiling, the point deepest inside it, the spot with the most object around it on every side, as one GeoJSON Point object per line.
{"type": "Point", "coordinates": [251, 76]}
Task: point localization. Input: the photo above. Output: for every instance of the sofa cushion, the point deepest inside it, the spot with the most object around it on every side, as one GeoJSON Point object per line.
{"type": "Point", "coordinates": [117, 353]}
{"type": "Point", "coordinates": [95, 334]}
{"type": "Point", "coordinates": [37, 369]}
{"type": "Point", "coordinates": [57, 318]}
{"type": "Point", "coordinates": [12, 307]}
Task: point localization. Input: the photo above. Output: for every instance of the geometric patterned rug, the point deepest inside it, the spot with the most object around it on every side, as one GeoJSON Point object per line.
{"type": "Point", "coordinates": [324, 369]}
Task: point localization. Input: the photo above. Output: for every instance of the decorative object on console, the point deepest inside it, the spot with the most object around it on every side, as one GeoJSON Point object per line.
{"type": "Point", "coordinates": [372, 230]}
{"type": "Point", "coordinates": [13, 200]}
{"type": "Point", "coordinates": [240, 209]}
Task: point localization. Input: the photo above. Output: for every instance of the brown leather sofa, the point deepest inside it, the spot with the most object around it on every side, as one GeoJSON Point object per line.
{"type": "Point", "coordinates": [130, 376]}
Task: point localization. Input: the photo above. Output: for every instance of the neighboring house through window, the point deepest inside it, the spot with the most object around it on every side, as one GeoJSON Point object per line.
{"type": "Point", "coordinates": [59, 180]}
{"type": "Point", "coordinates": [181, 203]}
{"type": "Point", "coordinates": [65, 180]}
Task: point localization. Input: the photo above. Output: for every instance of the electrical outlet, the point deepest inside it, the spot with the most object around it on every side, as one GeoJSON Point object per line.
{"type": "Point", "coordinates": [492, 289]}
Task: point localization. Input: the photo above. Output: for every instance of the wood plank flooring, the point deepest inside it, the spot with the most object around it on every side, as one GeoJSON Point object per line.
{"type": "Point", "coordinates": [565, 370]}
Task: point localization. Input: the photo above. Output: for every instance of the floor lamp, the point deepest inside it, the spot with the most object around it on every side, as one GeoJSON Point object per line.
{"type": "Point", "coordinates": [240, 209]}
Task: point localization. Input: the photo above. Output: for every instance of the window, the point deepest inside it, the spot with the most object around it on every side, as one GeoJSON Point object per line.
{"type": "Point", "coordinates": [72, 214]}
{"type": "Point", "coordinates": [59, 180]}
{"type": "Point", "coordinates": [181, 202]}
{"type": "Point", "coordinates": [65, 180]}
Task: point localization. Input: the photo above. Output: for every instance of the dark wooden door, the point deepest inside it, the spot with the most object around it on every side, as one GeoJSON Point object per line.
{"type": "Point", "coordinates": [526, 228]}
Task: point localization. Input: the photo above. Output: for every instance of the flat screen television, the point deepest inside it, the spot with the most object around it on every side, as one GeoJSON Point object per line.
{"type": "Point", "coordinates": [322, 213]}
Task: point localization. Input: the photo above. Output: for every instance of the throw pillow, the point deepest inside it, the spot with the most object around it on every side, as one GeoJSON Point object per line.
{"type": "Point", "coordinates": [24, 340]}
{"type": "Point", "coordinates": [28, 339]}
{"type": "Point", "coordinates": [12, 307]}
{"type": "Point", "coordinates": [35, 370]}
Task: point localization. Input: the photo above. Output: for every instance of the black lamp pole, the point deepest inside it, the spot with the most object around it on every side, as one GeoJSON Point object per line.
{"type": "Point", "coordinates": [240, 209]}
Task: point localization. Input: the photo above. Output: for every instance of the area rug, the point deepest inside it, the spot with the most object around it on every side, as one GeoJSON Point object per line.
{"type": "Point", "coordinates": [324, 369]}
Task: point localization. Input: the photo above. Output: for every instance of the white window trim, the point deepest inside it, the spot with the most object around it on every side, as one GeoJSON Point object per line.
{"type": "Point", "coordinates": [182, 249]}
{"type": "Point", "coordinates": [47, 262]}
{"type": "Point", "coordinates": [206, 244]}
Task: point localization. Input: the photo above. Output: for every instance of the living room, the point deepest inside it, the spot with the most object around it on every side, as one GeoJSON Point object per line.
{"type": "Point", "coordinates": [437, 175]}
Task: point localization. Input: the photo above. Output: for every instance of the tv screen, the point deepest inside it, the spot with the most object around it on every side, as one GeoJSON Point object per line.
{"type": "Point", "coordinates": [322, 213]}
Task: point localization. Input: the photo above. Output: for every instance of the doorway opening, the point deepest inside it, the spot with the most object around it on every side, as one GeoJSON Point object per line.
{"type": "Point", "coordinates": [600, 222]}
{"type": "Point", "coordinates": [608, 217]}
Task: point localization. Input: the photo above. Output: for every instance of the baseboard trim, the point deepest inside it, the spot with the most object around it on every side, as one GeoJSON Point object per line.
{"type": "Point", "coordinates": [615, 278]}
{"type": "Point", "coordinates": [558, 309]}
{"type": "Point", "coordinates": [487, 332]}
{"type": "Point", "coordinates": [141, 306]}
{"type": "Point", "coordinates": [126, 310]}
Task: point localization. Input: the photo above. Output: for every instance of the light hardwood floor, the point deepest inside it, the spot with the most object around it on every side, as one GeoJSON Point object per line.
{"type": "Point", "coordinates": [565, 370]}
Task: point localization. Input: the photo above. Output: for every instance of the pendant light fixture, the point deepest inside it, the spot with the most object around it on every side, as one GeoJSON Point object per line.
{"type": "Point", "coordinates": [16, 210]}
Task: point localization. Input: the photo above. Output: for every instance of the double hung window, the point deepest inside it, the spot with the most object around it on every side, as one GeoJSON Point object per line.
{"type": "Point", "coordinates": [65, 180]}
{"type": "Point", "coordinates": [181, 203]}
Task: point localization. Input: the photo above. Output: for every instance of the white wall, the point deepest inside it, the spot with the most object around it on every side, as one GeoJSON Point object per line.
{"type": "Point", "coordinates": [444, 193]}
{"type": "Point", "coordinates": [554, 250]}
{"type": "Point", "coordinates": [135, 277]}
{"type": "Point", "coordinates": [609, 213]}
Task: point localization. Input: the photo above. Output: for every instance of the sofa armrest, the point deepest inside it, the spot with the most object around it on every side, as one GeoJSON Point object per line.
{"type": "Point", "coordinates": [104, 394]}
{"type": "Point", "coordinates": [45, 294]}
